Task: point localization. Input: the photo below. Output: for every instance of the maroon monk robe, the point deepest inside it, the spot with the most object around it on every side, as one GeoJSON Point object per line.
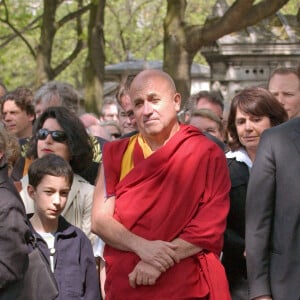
{"type": "Point", "coordinates": [180, 191]}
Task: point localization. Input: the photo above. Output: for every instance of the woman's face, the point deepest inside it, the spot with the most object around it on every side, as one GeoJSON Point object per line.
{"type": "Point", "coordinates": [49, 145]}
{"type": "Point", "coordinates": [249, 128]}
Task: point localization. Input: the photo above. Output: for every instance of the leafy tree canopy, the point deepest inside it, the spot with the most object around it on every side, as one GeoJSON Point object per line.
{"type": "Point", "coordinates": [133, 28]}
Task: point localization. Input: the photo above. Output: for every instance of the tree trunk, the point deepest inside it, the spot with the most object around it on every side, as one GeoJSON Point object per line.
{"type": "Point", "coordinates": [94, 65]}
{"type": "Point", "coordinates": [182, 41]}
{"type": "Point", "coordinates": [177, 60]}
{"type": "Point", "coordinates": [45, 71]}
{"type": "Point", "coordinates": [44, 49]}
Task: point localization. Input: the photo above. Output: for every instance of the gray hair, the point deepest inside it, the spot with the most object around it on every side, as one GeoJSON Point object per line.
{"type": "Point", "coordinates": [62, 93]}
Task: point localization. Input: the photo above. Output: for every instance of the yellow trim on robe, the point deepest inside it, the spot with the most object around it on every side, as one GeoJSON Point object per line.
{"type": "Point", "coordinates": [127, 160]}
{"type": "Point", "coordinates": [27, 163]}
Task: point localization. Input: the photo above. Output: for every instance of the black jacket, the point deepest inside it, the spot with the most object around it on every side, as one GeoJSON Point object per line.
{"type": "Point", "coordinates": [234, 239]}
{"type": "Point", "coordinates": [75, 267]}
{"type": "Point", "coordinates": [13, 232]}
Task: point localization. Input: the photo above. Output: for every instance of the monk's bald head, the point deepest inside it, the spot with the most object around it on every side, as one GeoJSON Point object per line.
{"type": "Point", "coordinates": [154, 76]}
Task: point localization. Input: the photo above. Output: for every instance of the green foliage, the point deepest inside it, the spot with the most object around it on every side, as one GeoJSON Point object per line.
{"type": "Point", "coordinates": [132, 28]}
{"type": "Point", "coordinates": [291, 7]}
{"type": "Point", "coordinates": [198, 11]}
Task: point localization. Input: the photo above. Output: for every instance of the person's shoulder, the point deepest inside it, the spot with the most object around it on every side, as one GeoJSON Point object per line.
{"type": "Point", "coordinates": [18, 169]}
{"type": "Point", "coordinates": [66, 228]}
{"type": "Point", "coordinates": [192, 133]}
{"type": "Point", "coordinates": [8, 190]}
{"type": "Point", "coordinates": [116, 147]}
{"type": "Point", "coordinates": [192, 138]}
{"type": "Point", "coordinates": [101, 141]}
{"type": "Point", "coordinates": [215, 140]}
{"type": "Point", "coordinates": [80, 181]}
{"type": "Point", "coordinates": [10, 200]}
{"type": "Point", "coordinates": [284, 128]}
{"type": "Point", "coordinates": [81, 234]}
{"type": "Point", "coordinates": [239, 172]}
{"type": "Point", "coordinates": [81, 185]}
{"type": "Point", "coordinates": [129, 134]}
{"type": "Point", "coordinates": [118, 142]}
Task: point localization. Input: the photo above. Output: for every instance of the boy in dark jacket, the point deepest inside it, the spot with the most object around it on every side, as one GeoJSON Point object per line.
{"type": "Point", "coordinates": [66, 247]}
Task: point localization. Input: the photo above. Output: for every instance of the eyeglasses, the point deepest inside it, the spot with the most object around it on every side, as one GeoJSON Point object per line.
{"type": "Point", "coordinates": [57, 135]}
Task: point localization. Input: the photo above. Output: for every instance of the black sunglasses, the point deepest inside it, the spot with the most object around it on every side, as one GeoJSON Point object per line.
{"type": "Point", "coordinates": [57, 135]}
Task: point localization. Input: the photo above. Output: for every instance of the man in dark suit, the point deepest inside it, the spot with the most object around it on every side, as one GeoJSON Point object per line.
{"type": "Point", "coordinates": [273, 215]}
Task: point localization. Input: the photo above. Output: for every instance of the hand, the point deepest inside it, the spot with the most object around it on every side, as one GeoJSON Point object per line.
{"type": "Point", "coordinates": [159, 254]}
{"type": "Point", "coordinates": [266, 297]}
{"type": "Point", "coordinates": [143, 274]}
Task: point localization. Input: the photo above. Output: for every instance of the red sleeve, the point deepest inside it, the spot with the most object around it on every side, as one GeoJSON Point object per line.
{"type": "Point", "coordinates": [206, 229]}
{"type": "Point", "coordinates": [112, 160]}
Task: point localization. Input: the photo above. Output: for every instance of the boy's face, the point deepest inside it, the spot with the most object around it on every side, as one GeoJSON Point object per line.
{"type": "Point", "coordinates": [50, 196]}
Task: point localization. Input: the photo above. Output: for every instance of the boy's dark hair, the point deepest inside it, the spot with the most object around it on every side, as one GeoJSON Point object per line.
{"type": "Point", "coordinates": [50, 164]}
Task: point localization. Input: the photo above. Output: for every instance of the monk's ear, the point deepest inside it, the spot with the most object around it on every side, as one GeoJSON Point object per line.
{"type": "Point", "coordinates": [177, 101]}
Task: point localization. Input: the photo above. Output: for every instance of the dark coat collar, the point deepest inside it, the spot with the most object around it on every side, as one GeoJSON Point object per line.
{"type": "Point", "coordinates": [64, 228]}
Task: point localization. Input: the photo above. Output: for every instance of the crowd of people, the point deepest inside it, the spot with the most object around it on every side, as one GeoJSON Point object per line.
{"type": "Point", "coordinates": [139, 203]}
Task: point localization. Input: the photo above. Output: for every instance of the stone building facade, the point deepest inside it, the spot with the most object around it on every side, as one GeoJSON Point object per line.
{"type": "Point", "coordinates": [247, 58]}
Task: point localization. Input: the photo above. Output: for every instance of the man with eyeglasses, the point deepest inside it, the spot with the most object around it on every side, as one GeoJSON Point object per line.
{"type": "Point", "coordinates": [126, 116]}
{"type": "Point", "coordinates": [109, 111]}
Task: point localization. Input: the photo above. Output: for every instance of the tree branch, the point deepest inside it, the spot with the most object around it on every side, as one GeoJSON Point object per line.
{"type": "Point", "coordinates": [6, 11]}
{"type": "Point", "coordinates": [16, 31]}
{"type": "Point", "coordinates": [79, 46]}
{"type": "Point", "coordinates": [7, 39]}
{"type": "Point", "coordinates": [73, 15]}
{"type": "Point", "coordinates": [120, 29]}
{"type": "Point", "coordinates": [240, 15]}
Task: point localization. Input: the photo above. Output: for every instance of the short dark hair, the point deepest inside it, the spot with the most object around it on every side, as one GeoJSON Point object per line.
{"type": "Point", "coordinates": [207, 113]}
{"type": "Point", "coordinates": [23, 98]}
{"type": "Point", "coordinates": [286, 71]}
{"type": "Point", "coordinates": [50, 164]}
{"type": "Point", "coordinates": [106, 103]}
{"type": "Point", "coordinates": [124, 86]}
{"type": "Point", "coordinates": [256, 101]}
{"type": "Point", "coordinates": [214, 97]}
{"type": "Point", "coordinates": [78, 141]}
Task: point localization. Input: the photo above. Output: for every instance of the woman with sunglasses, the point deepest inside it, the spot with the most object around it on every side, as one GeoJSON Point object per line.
{"type": "Point", "coordinates": [61, 132]}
